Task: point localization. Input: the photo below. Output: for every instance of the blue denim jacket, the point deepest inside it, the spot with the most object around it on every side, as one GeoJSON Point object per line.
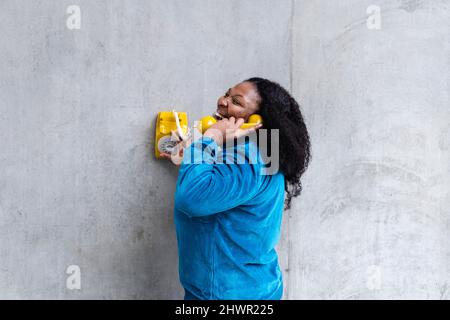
{"type": "Point", "coordinates": [228, 220]}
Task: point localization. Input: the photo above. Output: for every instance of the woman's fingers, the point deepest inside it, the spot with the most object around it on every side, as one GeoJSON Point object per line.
{"type": "Point", "coordinates": [245, 132]}
{"type": "Point", "coordinates": [239, 122]}
{"type": "Point", "coordinates": [176, 159]}
{"type": "Point", "coordinates": [229, 129]}
{"type": "Point", "coordinates": [176, 136]}
{"type": "Point", "coordinates": [252, 128]}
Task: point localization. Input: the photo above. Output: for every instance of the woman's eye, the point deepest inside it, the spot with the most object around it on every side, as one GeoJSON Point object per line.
{"type": "Point", "coordinates": [236, 102]}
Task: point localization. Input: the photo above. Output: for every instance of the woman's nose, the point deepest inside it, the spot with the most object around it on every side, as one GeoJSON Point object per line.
{"type": "Point", "coordinates": [223, 102]}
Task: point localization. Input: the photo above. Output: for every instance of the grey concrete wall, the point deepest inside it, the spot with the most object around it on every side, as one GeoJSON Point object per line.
{"type": "Point", "coordinates": [374, 218]}
{"type": "Point", "coordinates": [79, 184]}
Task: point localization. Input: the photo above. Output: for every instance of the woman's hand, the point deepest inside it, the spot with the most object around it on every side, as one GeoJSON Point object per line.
{"type": "Point", "coordinates": [174, 157]}
{"type": "Point", "coordinates": [227, 129]}
{"type": "Point", "coordinates": [223, 130]}
{"type": "Point", "coordinates": [177, 154]}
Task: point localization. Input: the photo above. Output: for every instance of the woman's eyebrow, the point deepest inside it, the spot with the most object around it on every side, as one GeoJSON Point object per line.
{"type": "Point", "coordinates": [234, 95]}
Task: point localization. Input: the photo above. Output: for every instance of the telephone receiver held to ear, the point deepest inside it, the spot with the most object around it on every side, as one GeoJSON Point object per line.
{"type": "Point", "coordinates": [168, 121]}
{"type": "Point", "coordinates": [208, 121]}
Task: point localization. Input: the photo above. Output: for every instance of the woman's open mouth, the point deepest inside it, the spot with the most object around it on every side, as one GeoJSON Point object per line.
{"type": "Point", "coordinates": [218, 115]}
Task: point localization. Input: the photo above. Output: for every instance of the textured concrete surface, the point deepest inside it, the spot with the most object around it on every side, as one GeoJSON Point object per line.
{"type": "Point", "coordinates": [79, 184]}
{"type": "Point", "coordinates": [373, 221]}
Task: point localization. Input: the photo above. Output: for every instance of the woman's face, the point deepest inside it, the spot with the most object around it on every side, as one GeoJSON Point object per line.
{"type": "Point", "coordinates": [241, 101]}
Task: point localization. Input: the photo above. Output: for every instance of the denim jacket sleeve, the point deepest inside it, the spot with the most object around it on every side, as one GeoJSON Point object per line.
{"type": "Point", "coordinates": [206, 186]}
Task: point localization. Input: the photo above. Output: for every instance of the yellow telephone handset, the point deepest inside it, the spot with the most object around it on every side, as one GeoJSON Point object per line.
{"type": "Point", "coordinates": [168, 121]}
{"type": "Point", "coordinates": [208, 121]}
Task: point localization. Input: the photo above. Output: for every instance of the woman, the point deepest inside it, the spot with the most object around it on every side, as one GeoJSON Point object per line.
{"type": "Point", "coordinates": [228, 215]}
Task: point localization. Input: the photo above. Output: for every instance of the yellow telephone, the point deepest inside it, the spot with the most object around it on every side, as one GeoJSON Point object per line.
{"type": "Point", "coordinates": [168, 121]}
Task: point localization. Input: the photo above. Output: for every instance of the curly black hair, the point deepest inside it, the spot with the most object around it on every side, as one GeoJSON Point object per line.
{"type": "Point", "coordinates": [279, 110]}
